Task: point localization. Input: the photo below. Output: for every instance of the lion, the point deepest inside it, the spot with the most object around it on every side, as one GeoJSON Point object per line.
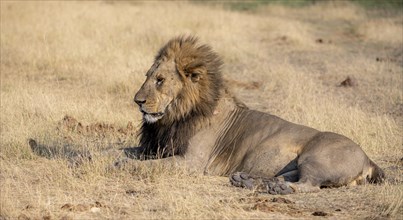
{"type": "Point", "coordinates": [189, 114]}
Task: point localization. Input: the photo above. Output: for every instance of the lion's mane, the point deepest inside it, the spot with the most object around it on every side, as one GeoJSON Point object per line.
{"type": "Point", "coordinates": [195, 103]}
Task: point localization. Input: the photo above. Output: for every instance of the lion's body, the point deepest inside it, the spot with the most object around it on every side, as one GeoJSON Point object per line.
{"type": "Point", "coordinates": [188, 112]}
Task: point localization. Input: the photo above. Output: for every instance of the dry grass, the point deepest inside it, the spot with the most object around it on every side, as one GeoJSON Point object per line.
{"type": "Point", "coordinates": [88, 59]}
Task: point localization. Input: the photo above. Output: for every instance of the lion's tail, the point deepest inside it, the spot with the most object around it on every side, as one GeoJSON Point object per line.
{"type": "Point", "coordinates": [377, 175]}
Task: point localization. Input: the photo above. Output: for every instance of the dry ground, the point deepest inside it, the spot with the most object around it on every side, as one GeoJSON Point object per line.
{"type": "Point", "coordinates": [86, 60]}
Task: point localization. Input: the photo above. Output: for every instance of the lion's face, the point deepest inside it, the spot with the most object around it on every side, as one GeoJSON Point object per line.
{"type": "Point", "coordinates": [183, 82]}
{"type": "Point", "coordinates": [158, 91]}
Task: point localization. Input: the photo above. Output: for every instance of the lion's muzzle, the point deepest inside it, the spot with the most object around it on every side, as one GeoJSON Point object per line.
{"type": "Point", "coordinates": [148, 116]}
{"type": "Point", "coordinates": [139, 101]}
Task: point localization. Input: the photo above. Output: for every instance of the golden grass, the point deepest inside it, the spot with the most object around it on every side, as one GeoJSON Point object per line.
{"type": "Point", "coordinates": [88, 59]}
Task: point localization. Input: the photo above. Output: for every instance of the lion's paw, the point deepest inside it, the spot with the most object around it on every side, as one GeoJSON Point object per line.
{"type": "Point", "coordinates": [241, 179]}
{"type": "Point", "coordinates": [275, 186]}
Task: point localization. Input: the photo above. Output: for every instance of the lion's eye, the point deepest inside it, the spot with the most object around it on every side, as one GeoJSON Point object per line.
{"type": "Point", "coordinates": [160, 81]}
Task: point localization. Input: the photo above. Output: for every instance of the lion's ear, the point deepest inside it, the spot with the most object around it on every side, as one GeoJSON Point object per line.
{"type": "Point", "coordinates": [192, 69]}
{"type": "Point", "coordinates": [195, 74]}
{"type": "Point", "coordinates": [195, 77]}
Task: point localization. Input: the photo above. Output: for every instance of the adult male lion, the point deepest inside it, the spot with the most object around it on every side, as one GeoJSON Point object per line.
{"type": "Point", "coordinates": [188, 112]}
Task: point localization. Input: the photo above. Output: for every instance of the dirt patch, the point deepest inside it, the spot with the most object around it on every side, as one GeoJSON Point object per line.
{"type": "Point", "coordinates": [75, 136]}
{"type": "Point", "coordinates": [69, 126]}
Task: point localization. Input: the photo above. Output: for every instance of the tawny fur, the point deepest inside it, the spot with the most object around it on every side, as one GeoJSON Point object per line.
{"type": "Point", "coordinates": [196, 118]}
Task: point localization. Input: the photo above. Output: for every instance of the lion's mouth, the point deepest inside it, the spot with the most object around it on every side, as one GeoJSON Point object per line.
{"type": "Point", "coordinates": [156, 114]}
{"type": "Point", "coordinates": [152, 117]}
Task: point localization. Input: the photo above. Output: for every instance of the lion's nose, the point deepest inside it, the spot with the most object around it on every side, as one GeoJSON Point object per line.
{"type": "Point", "coordinates": [139, 101]}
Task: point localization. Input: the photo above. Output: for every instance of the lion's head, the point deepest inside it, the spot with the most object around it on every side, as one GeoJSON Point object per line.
{"type": "Point", "coordinates": [182, 88]}
{"type": "Point", "coordinates": [184, 79]}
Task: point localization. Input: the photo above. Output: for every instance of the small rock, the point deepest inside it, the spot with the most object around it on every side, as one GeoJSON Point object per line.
{"type": "Point", "coordinates": [131, 192]}
{"type": "Point", "coordinates": [319, 40]}
{"type": "Point", "coordinates": [98, 204]}
{"type": "Point", "coordinates": [319, 213]}
{"type": "Point", "coordinates": [95, 209]}
{"type": "Point", "coordinates": [28, 207]}
{"type": "Point", "coordinates": [385, 59]}
{"type": "Point", "coordinates": [348, 82]}
{"type": "Point", "coordinates": [67, 206]}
